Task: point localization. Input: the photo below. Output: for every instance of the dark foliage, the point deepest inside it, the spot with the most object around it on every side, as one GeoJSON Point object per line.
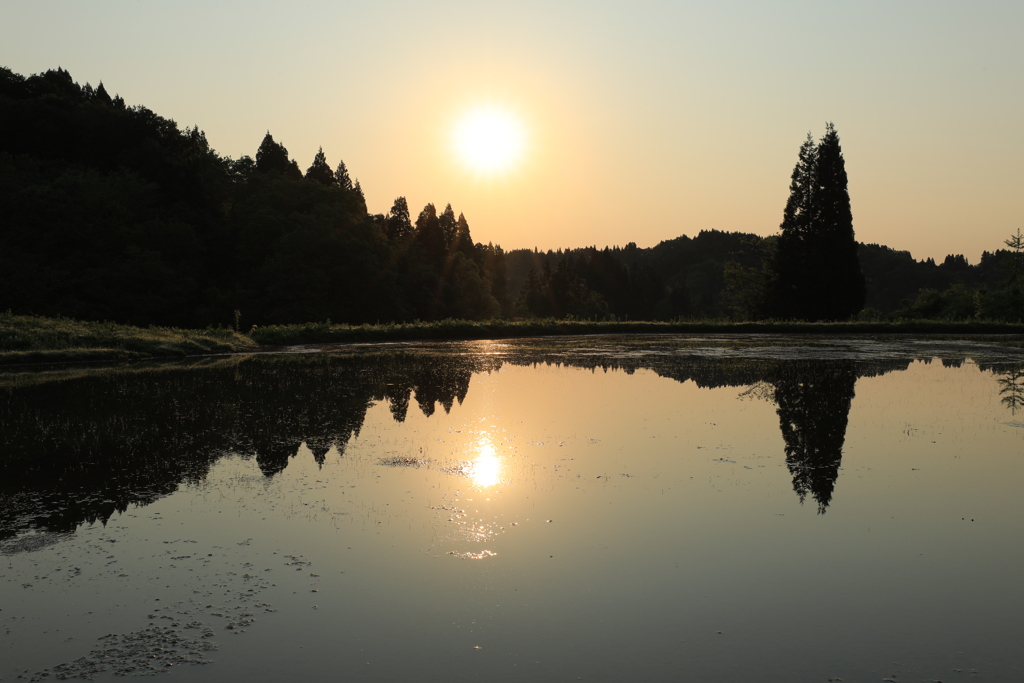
{"type": "Point", "coordinates": [342, 178]}
{"type": "Point", "coordinates": [815, 272]}
{"type": "Point", "coordinates": [813, 403]}
{"type": "Point", "coordinates": [320, 171]}
{"type": "Point", "coordinates": [272, 158]}
{"type": "Point", "coordinates": [115, 213]}
{"type": "Point", "coordinates": [683, 277]}
{"type": "Point", "coordinates": [112, 212]}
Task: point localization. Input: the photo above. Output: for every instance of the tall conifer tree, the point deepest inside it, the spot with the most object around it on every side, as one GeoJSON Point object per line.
{"type": "Point", "coordinates": [463, 241]}
{"type": "Point", "coordinates": [272, 157]}
{"type": "Point", "coordinates": [320, 171]}
{"type": "Point", "coordinates": [341, 176]}
{"type": "Point", "coordinates": [841, 289]}
{"type": "Point", "coordinates": [357, 190]}
{"type": "Point", "coordinates": [815, 272]}
{"type": "Point", "coordinates": [399, 220]}
{"type": "Point", "coordinates": [430, 236]}
{"type": "Point", "coordinates": [102, 95]}
{"type": "Point", "coordinates": [448, 225]}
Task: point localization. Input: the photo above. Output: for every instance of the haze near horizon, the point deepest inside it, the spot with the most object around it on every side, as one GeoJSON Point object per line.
{"type": "Point", "coordinates": [621, 123]}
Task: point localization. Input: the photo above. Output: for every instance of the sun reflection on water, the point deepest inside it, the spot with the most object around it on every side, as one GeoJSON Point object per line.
{"type": "Point", "coordinates": [485, 470]}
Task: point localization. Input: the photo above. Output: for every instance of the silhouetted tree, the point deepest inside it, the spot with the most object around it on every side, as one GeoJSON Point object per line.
{"type": "Point", "coordinates": [430, 236]}
{"type": "Point", "coordinates": [341, 176]}
{"type": "Point", "coordinates": [242, 169]}
{"type": "Point", "coordinates": [1016, 243]}
{"type": "Point", "coordinates": [102, 95]}
{"type": "Point", "coordinates": [448, 224]}
{"type": "Point", "coordinates": [357, 190]}
{"type": "Point", "coordinates": [272, 158]}
{"type": "Point", "coordinates": [399, 220]}
{"type": "Point", "coordinates": [815, 272]}
{"type": "Point", "coordinates": [320, 171]}
{"type": "Point", "coordinates": [462, 241]}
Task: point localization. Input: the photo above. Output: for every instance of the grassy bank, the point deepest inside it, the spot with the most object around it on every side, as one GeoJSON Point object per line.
{"type": "Point", "coordinates": [325, 333]}
{"type": "Point", "coordinates": [30, 339]}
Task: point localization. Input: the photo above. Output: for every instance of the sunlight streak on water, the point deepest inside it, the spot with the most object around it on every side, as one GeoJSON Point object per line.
{"type": "Point", "coordinates": [486, 469]}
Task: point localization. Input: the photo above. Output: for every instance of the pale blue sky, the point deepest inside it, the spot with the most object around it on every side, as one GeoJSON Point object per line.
{"type": "Point", "coordinates": [646, 120]}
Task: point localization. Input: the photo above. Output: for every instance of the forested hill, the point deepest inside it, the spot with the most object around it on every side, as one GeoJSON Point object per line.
{"type": "Point", "coordinates": [717, 274]}
{"type": "Point", "coordinates": [112, 212]}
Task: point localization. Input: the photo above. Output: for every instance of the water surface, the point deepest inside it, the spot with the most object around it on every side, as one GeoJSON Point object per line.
{"type": "Point", "coordinates": [604, 509]}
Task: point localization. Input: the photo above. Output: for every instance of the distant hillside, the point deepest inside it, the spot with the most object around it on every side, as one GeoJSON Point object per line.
{"type": "Point", "coordinates": [697, 265]}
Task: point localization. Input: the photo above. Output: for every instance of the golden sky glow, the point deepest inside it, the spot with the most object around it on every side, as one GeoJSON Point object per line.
{"type": "Point", "coordinates": [642, 121]}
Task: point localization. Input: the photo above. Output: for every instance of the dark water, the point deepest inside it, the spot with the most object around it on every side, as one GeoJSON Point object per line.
{"type": "Point", "coordinates": [611, 509]}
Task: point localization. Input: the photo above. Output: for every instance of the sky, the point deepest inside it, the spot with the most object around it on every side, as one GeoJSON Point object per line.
{"type": "Point", "coordinates": [641, 121]}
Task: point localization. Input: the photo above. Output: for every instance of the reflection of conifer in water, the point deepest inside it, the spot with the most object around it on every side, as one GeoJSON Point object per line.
{"type": "Point", "coordinates": [813, 399]}
{"type": "Point", "coordinates": [1011, 388]}
{"type": "Point", "coordinates": [435, 381]}
{"type": "Point", "coordinates": [398, 398]}
{"type": "Point", "coordinates": [441, 383]}
{"type": "Point", "coordinates": [272, 456]}
{"type": "Point", "coordinates": [319, 446]}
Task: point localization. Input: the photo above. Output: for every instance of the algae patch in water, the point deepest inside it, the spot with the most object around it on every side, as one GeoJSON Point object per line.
{"type": "Point", "coordinates": [145, 652]}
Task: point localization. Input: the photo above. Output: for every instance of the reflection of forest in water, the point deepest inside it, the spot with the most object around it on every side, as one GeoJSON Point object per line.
{"type": "Point", "coordinates": [77, 447]}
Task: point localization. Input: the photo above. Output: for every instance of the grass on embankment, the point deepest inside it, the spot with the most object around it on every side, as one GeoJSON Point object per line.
{"type": "Point", "coordinates": [32, 339]}
{"type": "Point", "coordinates": [326, 333]}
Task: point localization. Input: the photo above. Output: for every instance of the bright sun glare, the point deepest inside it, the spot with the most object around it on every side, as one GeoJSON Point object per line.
{"type": "Point", "coordinates": [486, 469]}
{"type": "Point", "coordinates": [489, 139]}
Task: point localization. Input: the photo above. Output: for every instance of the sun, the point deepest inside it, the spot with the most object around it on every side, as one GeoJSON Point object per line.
{"type": "Point", "coordinates": [488, 139]}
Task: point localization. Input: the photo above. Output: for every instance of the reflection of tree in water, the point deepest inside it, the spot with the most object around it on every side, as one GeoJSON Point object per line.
{"type": "Point", "coordinates": [79, 447]}
{"type": "Point", "coordinates": [1010, 380]}
{"type": "Point", "coordinates": [1011, 388]}
{"type": "Point", "coordinates": [813, 399]}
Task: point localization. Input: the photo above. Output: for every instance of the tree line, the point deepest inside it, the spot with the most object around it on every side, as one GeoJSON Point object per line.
{"type": "Point", "coordinates": [814, 269]}
{"type": "Point", "coordinates": [112, 212]}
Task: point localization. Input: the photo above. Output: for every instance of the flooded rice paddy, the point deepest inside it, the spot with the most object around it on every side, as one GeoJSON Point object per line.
{"type": "Point", "coordinates": [597, 509]}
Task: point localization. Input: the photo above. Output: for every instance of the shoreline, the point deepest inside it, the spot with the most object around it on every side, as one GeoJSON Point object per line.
{"type": "Point", "coordinates": [36, 341]}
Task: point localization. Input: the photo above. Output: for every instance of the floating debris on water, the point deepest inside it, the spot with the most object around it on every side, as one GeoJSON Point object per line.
{"type": "Point", "coordinates": [140, 653]}
{"type": "Point", "coordinates": [473, 556]}
{"type": "Point", "coordinates": [403, 461]}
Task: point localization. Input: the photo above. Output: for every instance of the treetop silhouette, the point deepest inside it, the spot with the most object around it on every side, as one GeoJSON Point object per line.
{"type": "Point", "coordinates": [398, 222]}
{"type": "Point", "coordinates": [815, 272]}
{"type": "Point", "coordinates": [272, 157]}
{"type": "Point", "coordinates": [341, 176]}
{"type": "Point", "coordinates": [320, 171]}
